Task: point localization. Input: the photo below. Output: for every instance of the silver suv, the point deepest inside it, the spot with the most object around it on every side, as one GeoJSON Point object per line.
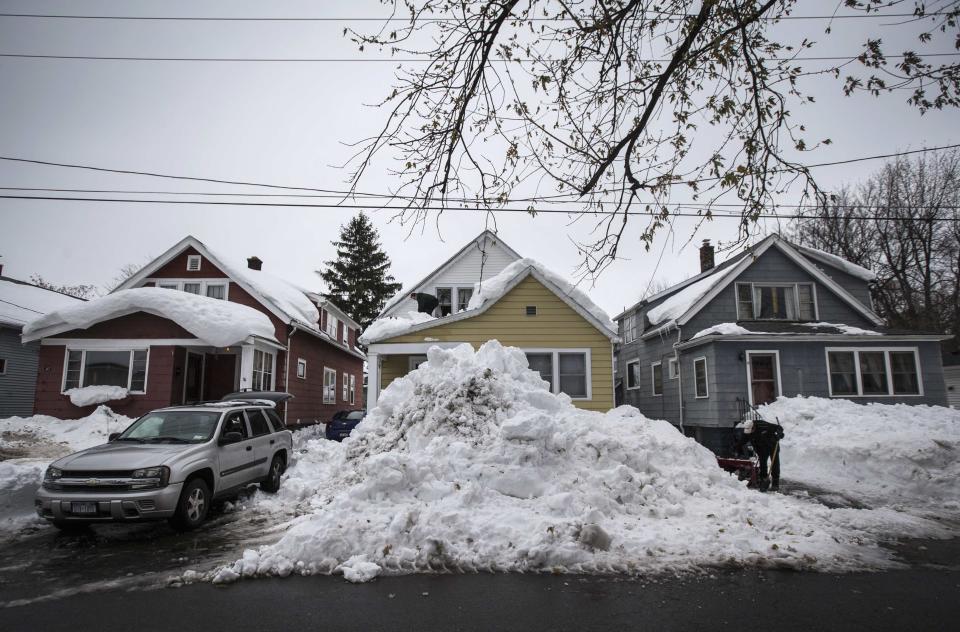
{"type": "Point", "coordinates": [169, 464]}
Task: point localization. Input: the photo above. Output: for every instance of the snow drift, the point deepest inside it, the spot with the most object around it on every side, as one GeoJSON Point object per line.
{"type": "Point", "coordinates": [896, 455]}
{"type": "Point", "coordinates": [470, 464]}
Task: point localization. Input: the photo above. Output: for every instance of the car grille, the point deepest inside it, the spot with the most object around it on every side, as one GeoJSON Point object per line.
{"type": "Point", "coordinates": [97, 473]}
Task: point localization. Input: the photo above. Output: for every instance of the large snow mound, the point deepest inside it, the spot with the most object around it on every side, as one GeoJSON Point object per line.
{"type": "Point", "coordinates": [493, 289]}
{"type": "Point", "coordinates": [894, 455]}
{"type": "Point", "coordinates": [218, 322]}
{"type": "Point", "coordinates": [838, 262]}
{"type": "Point", "coordinates": [90, 395]}
{"type": "Point", "coordinates": [391, 326]}
{"type": "Point", "coordinates": [469, 463]}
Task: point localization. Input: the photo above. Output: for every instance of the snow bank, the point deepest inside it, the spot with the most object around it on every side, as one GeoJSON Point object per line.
{"type": "Point", "coordinates": [892, 455]}
{"type": "Point", "coordinates": [220, 323]}
{"type": "Point", "coordinates": [494, 288]}
{"type": "Point", "coordinates": [393, 326]}
{"type": "Point", "coordinates": [677, 305]}
{"type": "Point", "coordinates": [470, 464]}
{"type": "Point", "coordinates": [837, 262]}
{"type": "Point", "coordinates": [28, 444]}
{"type": "Point", "coordinates": [90, 395]}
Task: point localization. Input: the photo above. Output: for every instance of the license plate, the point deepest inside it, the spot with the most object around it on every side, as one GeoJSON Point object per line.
{"type": "Point", "coordinates": [83, 508]}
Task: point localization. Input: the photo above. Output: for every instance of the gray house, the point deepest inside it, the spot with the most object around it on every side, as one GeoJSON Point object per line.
{"type": "Point", "coordinates": [21, 302]}
{"type": "Point", "coordinates": [776, 319]}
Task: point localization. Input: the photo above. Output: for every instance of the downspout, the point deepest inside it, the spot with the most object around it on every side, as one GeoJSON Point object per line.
{"type": "Point", "coordinates": [676, 355]}
{"type": "Point", "coordinates": [286, 369]}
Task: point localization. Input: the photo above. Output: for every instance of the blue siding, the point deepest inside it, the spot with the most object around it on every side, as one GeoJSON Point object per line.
{"type": "Point", "coordinates": [18, 384]}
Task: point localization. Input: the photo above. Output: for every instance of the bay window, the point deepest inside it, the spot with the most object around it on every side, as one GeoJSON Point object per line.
{"type": "Point", "coordinates": [872, 372]}
{"type": "Point", "coordinates": [776, 301]}
{"type": "Point", "coordinates": [126, 368]}
{"type": "Point", "coordinates": [262, 370]}
{"type": "Point", "coordinates": [565, 371]}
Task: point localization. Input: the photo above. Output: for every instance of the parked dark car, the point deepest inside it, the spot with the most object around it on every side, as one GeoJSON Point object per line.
{"type": "Point", "coordinates": [343, 423]}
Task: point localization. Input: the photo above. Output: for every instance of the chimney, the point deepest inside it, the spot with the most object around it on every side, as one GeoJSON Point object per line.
{"type": "Point", "coordinates": [706, 256]}
{"type": "Point", "coordinates": [254, 263]}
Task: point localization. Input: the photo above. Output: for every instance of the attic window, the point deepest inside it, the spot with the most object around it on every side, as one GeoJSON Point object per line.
{"type": "Point", "coordinates": [193, 263]}
{"type": "Point", "coordinates": [531, 310]}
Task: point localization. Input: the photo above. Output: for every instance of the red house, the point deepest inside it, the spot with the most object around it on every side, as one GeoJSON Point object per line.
{"type": "Point", "coordinates": [191, 326]}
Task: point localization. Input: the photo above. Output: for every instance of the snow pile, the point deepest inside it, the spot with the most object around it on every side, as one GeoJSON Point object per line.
{"type": "Point", "coordinates": [391, 326]}
{"type": "Point", "coordinates": [217, 322]}
{"type": "Point", "coordinates": [677, 305]}
{"type": "Point", "coordinates": [893, 455]}
{"type": "Point", "coordinates": [470, 464]}
{"type": "Point", "coordinates": [90, 395]}
{"type": "Point", "coordinates": [837, 262]}
{"type": "Point", "coordinates": [723, 329]}
{"type": "Point", "coordinates": [288, 298]}
{"type": "Point", "coordinates": [22, 302]}
{"type": "Point", "coordinates": [493, 289]}
{"type": "Point", "coordinates": [28, 444]}
{"type": "Point", "coordinates": [849, 330]}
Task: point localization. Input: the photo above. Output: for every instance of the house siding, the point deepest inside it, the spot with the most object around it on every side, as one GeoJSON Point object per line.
{"type": "Point", "coordinates": [307, 405]}
{"type": "Point", "coordinates": [18, 383]}
{"type": "Point", "coordinates": [951, 377]}
{"type": "Point", "coordinates": [556, 326]}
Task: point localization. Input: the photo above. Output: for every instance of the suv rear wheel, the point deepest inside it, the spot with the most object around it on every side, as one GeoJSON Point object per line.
{"type": "Point", "coordinates": [193, 505]}
{"type": "Point", "coordinates": [271, 484]}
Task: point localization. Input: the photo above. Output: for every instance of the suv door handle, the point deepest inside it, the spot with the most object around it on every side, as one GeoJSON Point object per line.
{"type": "Point", "coordinates": [249, 447]}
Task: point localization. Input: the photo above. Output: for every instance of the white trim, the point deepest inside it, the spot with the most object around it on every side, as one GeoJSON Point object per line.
{"type": "Point", "coordinates": [706, 378]}
{"type": "Point", "coordinates": [627, 386]}
{"type": "Point", "coordinates": [779, 383]}
{"type": "Point", "coordinates": [588, 359]}
{"type": "Point", "coordinates": [373, 379]}
{"type": "Point", "coordinates": [398, 348]}
{"type": "Point", "coordinates": [888, 367]}
{"type": "Point", "coordinates": [653, 379]}
{"type": "Point", "coordinates": [191, 259]}
{"type": "Point", "coordinates": [301, 363]}
{"type": "Point", "coordinates": [328, 371]}
{"type": "Point", "coordinates": [83, 367]}
{"type": "Point", "coordinates": [345, 388]}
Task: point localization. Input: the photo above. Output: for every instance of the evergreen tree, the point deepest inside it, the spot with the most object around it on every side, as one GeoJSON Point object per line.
{"type": "Point", "coordinates": [359, 281]}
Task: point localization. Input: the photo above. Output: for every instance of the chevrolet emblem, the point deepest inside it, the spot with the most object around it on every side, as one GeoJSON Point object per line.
{"type": "Point", "coordinates": [92, 481]}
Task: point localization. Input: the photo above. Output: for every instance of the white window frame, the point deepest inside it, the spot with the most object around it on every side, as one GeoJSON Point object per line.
{"type": "Point", "coordinates": [331, 331]}
{"type": "Point", "coordinates": [273, 370]}
{"type": "Point", "coordinates": [345, 334]}
{"type": "Point", "coordinates": [888, 366]}
{"type": "Point", "coordinates": [177, 284]}
{"type": "Point", "coordinates": [332, 400]}
{"type": "Point", "coordinates": [83, 367]}
{"type": "Point", "coordinates": [673, 369]}
{"type": "Point", "coordinates": [190, 261]}
{"type": "Point", "coordinates": [653, 379]}
{"type": "Point", "coordinates": [627, 376]}
{"type": "Point", "coordinates": [353, 389]}
{"type": "Point", "coordinates": [773, 352]}
{"type": "Point", "coordinates": [706, 378]}
{"type": "Point", "coordinates": [630, 328]}
{"type": "Point", "coordinates": [344, 388]}
{"type": "Point", "coordinates": [796, 299]}
{"type": "Point", "coordinates": [556, 367]}
{"type": "Point", "coordinates": [301, 368]}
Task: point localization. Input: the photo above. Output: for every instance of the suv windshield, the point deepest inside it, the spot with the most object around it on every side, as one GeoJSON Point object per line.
{"type": "Point", "coordinates": [173, 426]}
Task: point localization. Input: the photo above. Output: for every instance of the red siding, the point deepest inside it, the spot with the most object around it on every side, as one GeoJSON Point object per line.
{"type": "Point", "coordinates": [138, 325]}
{"type": "Point", "coordinates": [49, 401]}
{"type": "Point", "coordinates": [307, 407]}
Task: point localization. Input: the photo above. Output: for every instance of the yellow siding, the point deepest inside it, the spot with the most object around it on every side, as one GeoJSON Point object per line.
{"type": "Point", "coordinates": [556, 326]}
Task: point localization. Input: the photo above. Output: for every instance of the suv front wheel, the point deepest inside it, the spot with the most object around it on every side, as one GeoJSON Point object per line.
{"type": "Point", "coordinates": [193, 505]}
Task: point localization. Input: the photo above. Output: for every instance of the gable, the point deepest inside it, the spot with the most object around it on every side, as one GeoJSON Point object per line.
{"type": "Point", "coordinates": [176, 268]}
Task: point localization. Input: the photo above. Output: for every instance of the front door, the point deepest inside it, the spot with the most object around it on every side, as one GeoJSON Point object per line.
{"type": "Point", "coordinates": [219, 375]}
{"type": "Point", "coordinates": [193, 380]}
{"type": "Point", "coordinates": [764, 385]}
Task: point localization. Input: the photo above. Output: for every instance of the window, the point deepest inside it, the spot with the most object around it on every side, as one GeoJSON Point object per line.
{"type": "Point", "coordinates": [275, 422]}
{"type": "Point", "coordinates": [787, 301]}
{"type": "Point", "coordinates": [463, 298]}
{"type": "Point", "coordinates": [235, 423]}
{"type": "Point", "coordinates": [345, 334]}
{"type": "Point", "coordinates": [700, 378]}
{"type": "Point", "coordinates": [656, 376]}
{"type": "Point", "coordinates": [262, 370]}
{"type": "Point", "coordinates": [193, 263]}
{"type": "Point", "coordinates": [168, 286]}
{"type": "Point", "coordinates": [531, 310]}
{"type": "Point", "coordinates": [329, 386]}
{"type": "Point", "coordinates": [573, 374]}
{"type": "Point", "coordinates": [258, 423]}
{"type": "Point", "coordinates": [3, 366]}
{"type": "Point", "coordinates": [332, 325]}
{"type": "Point", "coordinates": [353, 389]}
{"type": "Point", "coordinates": [88, 367]}
{"type": "Point", "coordinates": [213, 288]}
{"type": "Point", "coordinates": [301, 368]}
{"type": "Point", "coordinates": [192, 288]}
{"type": "Point", "coordinates": [873, 372]}
{"type": "Point", "coordinates": [672, 369]}
{"type": "Point", "coordinates": [630, 328]}
{"type": "Point", "coordinates": [345, 394]}
{"type": "Point", "coordinates": [542, 363]}
{"type": "Point", "coordinates": [566, 371]}
{"type": "Point", "coordinates": [633, 374]}
{"type": "Point", "coordinates": [216, 290]}
{"type": "Point", "coordinates": [444, 296]}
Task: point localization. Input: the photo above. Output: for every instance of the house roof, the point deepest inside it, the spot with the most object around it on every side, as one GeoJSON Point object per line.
{"type": "Point", "coordinates": [460, 254]}
{"type": "Point", "coordinates": [678, 304]}
{"type": "Point", "coordinates": [491, 292]}
{"type": "Point", "coordinates": [22, 302]}
{"type": "Point", "coordinates": [781, 331]}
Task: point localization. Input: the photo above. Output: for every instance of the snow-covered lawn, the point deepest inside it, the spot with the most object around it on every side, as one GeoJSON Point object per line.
{"type": "Point", "coordinates": [883, 455]}
{"type": "Point", "coordinates": [468, 464]}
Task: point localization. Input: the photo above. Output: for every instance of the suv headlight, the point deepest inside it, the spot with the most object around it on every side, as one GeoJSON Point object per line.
{"type": "Point", "coordinates": [151, 476]}
{"type": "Point", "coordinates": [52, 474]}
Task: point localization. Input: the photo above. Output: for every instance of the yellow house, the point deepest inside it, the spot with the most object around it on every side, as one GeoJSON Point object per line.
{"type": "Point", "coordinates": [567, 338]}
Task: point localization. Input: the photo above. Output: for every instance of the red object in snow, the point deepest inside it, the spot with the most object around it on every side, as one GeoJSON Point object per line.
{"type": "Point", "coordinates": [745, 469]}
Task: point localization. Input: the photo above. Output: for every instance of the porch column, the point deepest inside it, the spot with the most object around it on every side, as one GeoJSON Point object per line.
{"type": "Point", "coordinates": [373, 380]}
{"type": "Point", "coordinates": [246, 367]}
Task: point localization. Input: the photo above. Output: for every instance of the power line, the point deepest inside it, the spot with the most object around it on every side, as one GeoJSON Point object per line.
{"type": "Point", "coordinates": [345, 60]}
{"type": "Point", "coordinates": [736, 216]}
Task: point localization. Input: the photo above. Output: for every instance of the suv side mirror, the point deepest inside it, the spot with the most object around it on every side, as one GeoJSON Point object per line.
{"type": "Point", "coordinates": [231, 437]}
{"type": "Point", "coordinates": [113, 436]}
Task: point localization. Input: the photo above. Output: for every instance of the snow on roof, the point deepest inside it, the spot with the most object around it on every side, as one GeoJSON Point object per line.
{"type": "Point", "coordinates": [216, 322]}
{"type": "Point", "coordinates": [837, 262]}
{"type": "Point", "coordinates": [391, 326]}
{"type": "Point", "coordinates": [493, 289]}
{"type": "Point", "coordinates": [677, 305]}
{"type": "Point", "coordinates": [22, 302]}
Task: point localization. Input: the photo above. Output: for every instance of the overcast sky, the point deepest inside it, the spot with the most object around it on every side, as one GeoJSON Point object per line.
{"type": "Point", "coordinates": [286, 124]}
